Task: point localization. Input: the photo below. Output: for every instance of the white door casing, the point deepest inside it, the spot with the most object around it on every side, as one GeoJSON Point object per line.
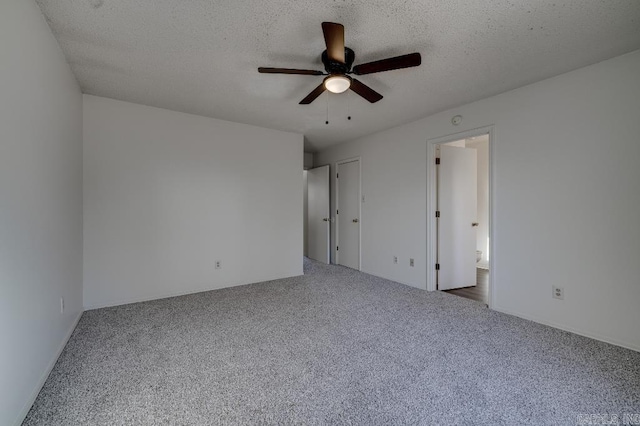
{"type": "Point", "coordinates": [457, 203]}
{"type": "Point", "coordinates": [348, 214]}
{"type": "Point", "coordinates": [318, 214]}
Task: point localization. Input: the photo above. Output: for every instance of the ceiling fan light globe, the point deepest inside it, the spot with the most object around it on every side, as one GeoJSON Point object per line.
{"type": "Point", "coordinates": [337, 83]}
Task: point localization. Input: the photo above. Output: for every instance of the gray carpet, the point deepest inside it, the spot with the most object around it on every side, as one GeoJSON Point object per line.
{"type": "Point", "coordinates": [335, 346]}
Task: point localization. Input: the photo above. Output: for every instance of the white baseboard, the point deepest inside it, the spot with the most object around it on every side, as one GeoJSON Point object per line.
{"type": "Point", "coordinates": [36, 390]}
{"type": "Point", "coordinates": [595, 336]}
{"type": "Point", "coordinates": [149, 298]}
{"type": "Point", "coordinates": [418, 286]}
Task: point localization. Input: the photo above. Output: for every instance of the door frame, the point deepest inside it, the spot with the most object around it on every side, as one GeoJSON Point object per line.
{"type": "Point", "coordinates": [432, 248]}
{"type": "Point", "coordinates": [337, 242]}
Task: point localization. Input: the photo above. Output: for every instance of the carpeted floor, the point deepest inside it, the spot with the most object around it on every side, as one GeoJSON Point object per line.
{"type": "Point", "coordinates": [335, 346]}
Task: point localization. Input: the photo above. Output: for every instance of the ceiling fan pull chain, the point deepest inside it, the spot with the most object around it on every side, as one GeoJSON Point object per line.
{"type": "Point", "coordinates": [349, 105]}
{"type": "Point", "coordinates": [327, 122]}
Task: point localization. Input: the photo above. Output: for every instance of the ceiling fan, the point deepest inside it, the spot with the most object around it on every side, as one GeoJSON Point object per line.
{"type": "Point", "coordinates": [338, 59]}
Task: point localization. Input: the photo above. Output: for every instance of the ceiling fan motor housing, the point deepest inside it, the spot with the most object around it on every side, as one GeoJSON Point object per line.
{"type": "Point", "coordinates": [333, 67]}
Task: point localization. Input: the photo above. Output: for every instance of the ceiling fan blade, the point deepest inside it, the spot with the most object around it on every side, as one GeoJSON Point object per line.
{"type": "Point", "coordinates": [313, 95]}
{"type": "Point", "coordinates": [334, 39]}
{"type": "Point", "coordinates": [404, 61]}
{"type": "Point", "coordinates": [266, 70]}
{"type": "Point", "coordinates": [365, 91]}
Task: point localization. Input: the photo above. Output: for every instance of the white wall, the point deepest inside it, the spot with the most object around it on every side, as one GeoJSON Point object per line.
{"type": "Point", "coordinates": [166, 194]}
{"type": "Point", "coordinates": [393, 171]}
{"type": "Point", "coordinates": [40, 205]}
{"type": "Point", "coordinates": [566, 203]}
{"type": "Point", "coordinates": [308, 160]}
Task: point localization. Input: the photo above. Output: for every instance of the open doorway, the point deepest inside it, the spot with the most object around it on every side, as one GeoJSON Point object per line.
{"type": "Point", "coordinates": [316, 211]}
{"type": "Point", "coordinates": [460, 206]}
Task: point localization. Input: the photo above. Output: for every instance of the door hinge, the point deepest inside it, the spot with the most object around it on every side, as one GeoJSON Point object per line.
{"type": "Point", "coordinates": [337, 248]}
{"type": "Point", "coordinates": [337, 212]}
{"type": "Point", "coordinates": [437, 213]}
{"type": "Point", "coordinates": [437, 161]}
{"type": "Point", "coordinates": [337, 175]}
{"type": "Point", "coordinates": [437, 266]}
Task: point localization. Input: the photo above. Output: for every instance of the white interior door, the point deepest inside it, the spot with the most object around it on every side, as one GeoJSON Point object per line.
{"type": "Point", "coordinates": [348, 214]}
{"type": "Point", "coordinates": [318, 213]}
{"type": "Point", "coordinates": [457, 203]}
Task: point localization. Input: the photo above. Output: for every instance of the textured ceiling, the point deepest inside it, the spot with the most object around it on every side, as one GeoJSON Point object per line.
{"type": "Point", "coordinates": [201, 56]}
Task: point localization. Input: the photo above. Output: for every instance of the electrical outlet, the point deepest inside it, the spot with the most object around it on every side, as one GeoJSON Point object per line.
{"type": "Point", "coordinates": [395, 260]}
{"type": "Point", "coordinates": [411, 262]}
{"type": "Point", "coordinates": [62, 305]}
{"type": "Point", "coordinates": [218, 264]}
{"type": "Point", "coordinates": [558, 292]}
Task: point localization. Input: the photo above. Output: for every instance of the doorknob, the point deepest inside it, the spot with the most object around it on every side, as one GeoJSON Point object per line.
{"type": "Point", "coordinates": [355, 221]}
{"type": "Point", "coordinates": [474, 224]}
{"type": "Point", "coordinates": [326, 219]}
